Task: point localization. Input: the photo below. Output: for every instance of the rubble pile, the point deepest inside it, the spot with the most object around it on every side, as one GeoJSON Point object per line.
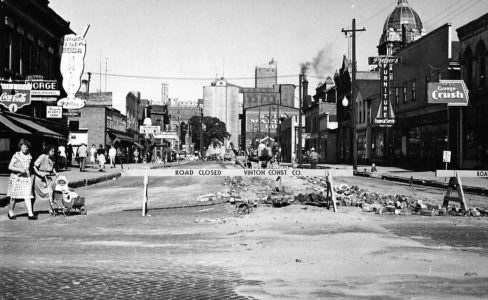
{"type": "Point", "coordinates": [379, 203]}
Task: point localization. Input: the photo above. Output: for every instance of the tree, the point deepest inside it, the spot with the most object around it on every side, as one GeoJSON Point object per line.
{"type": "Point", "coordinates": [213, 129]}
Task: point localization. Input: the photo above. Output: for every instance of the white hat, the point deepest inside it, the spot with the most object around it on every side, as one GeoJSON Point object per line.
{"type": "Point", "coordinates": [313, 149]}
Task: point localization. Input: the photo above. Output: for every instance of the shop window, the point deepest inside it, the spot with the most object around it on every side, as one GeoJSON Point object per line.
{"type": "Point", "coordinates": [74, 125]}
{"type": "Point", "coordinates": [480, 64]}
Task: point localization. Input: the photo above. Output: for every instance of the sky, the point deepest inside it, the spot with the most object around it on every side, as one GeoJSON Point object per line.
{"type": "Point", "coordinates": [138, 44]}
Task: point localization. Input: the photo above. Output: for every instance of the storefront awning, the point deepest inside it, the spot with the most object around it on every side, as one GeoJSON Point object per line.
{"type": "Point", "coordinates": [16, 129]}
{"type": "Point", "coordinates": [120, 137]}
{"type": "Point", "coordinates": [36, 127]}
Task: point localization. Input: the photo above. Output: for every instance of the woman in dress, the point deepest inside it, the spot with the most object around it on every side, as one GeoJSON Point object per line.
{"type": "Point", "coordinates": [20, 183]}
{"type": "Point", "coordinates": [43, 169]}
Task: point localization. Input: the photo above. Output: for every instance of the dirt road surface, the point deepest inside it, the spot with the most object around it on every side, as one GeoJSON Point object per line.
{"type": "Point", "coordinates": [210, 252]}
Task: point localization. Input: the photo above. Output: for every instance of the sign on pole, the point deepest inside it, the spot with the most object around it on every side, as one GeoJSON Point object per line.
{"type": "Point", "coordinates": [446, 156]}
{"type": "Point", "coordinates": [385, 116]}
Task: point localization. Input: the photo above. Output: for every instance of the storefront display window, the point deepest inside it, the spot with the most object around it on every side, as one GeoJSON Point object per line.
{"type": "Point", "coordinates": [362, 144]}
{"type": "Point", "coordinates": [379, 145]}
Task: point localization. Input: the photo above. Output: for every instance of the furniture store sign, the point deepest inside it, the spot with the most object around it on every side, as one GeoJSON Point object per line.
{"type": "Point", "coordinates": [450, 92]}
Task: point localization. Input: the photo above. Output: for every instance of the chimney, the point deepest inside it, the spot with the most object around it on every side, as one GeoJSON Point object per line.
{"type": "Point", "coordinates": [305, 91]}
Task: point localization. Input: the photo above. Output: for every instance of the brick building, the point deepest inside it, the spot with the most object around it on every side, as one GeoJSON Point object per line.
{"type": "Point", "coordinates": [31, 34]}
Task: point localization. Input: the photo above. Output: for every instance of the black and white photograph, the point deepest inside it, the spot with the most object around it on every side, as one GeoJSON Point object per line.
{"type": "Point", "coordinates": [244, 149]}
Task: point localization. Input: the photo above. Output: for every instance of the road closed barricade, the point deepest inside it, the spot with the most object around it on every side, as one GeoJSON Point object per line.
{"type": "Point", "coordinates": [328, 173]}
{"type": "Point", "coordinates": [455, 184]}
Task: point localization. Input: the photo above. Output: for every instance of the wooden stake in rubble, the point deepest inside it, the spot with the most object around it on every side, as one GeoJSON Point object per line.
{"type": "Point", "coordinates": [455, 183]}
{"type": "Point", "coordinates": [330, 188]}
{"type": "Point", "coordinates": [144, 196]}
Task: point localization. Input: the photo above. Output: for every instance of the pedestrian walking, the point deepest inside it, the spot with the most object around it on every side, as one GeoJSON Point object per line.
{"type": "Point", "coordinates": [93, 152]}
{"type": "Point", "coordinates": [314, 158]}
{"type": "Point", "coordinates": [136, 156]}
{"type": "Point", "coordinates": [111, 155]}
{"type": "Point", "coordinates": [119, 157]}
{"type": "Point", "coordinates": [101, 158]}
{"type": "Point", "coordinates": [82, 155]}
{"type": "Point", "coordinates": [69, 155]}
{"type": "Point", "coordinates": [20, 183]}
{"type": "Point", "coordinates": [43, 171]}
{"type": "Point", "coordinates": [62, 157]}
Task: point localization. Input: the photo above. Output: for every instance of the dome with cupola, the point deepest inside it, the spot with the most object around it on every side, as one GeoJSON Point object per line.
{"type": "Point", "coordinates": [403, 20]}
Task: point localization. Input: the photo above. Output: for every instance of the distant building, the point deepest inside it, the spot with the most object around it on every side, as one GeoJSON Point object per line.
{"type": "Point", "coordinates": [402, 27]}
{"type": "Point", "coordinates": [266, 76]}
{"type": "Point", "coordinates": [164, 92]}
{"type": "Point", "coordinates": [221, 100]}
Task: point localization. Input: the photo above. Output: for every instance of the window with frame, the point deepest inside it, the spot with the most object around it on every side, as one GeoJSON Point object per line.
{"type": "Point", "coordinates": [414, 91]}
{"type": "Point", "coordinates": [405, 92]}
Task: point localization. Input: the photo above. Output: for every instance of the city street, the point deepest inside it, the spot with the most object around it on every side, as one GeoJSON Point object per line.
{"type": "Point", "coordinates": [187, 249]}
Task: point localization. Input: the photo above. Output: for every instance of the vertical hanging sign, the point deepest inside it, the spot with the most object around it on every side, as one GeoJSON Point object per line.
{"type": "Point", "coordinates": [385, 116]}
{"type": "Point", "coordinates": [72, 65]}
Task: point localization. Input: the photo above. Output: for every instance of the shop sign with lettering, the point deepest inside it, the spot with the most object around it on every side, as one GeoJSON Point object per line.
{"type": "Point", "coordinates": [72, 65]}
{"type": "Point", "coordinates": [54, 112]}
{"type": "Point", "coordinates": [44, 88]}
{"type": "Point", "coordinates": [20, 97]}
{"type": "Point", "coordinates": [452, 92]}
{"type": "Point", "coordinates": [382, 60]}
{"type": "Point", "coordinates": [385, 116]}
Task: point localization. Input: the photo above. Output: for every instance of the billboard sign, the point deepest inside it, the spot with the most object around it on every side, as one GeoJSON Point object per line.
{"type": "Point", "coordinates": [15, 96]}
{"type": "Point", "coordinates": [54, 112]}
{"type": "Point", "coordinates": [450, 92]}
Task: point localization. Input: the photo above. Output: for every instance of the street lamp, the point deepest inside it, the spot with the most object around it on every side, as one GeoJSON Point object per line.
{"type": "Point", "coordinates": [345, 102]}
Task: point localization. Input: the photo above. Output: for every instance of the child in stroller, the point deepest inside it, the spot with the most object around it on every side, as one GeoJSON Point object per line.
{"type": "Point", "coordinates": [69, 199]}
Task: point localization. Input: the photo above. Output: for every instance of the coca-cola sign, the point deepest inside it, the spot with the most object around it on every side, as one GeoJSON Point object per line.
{"type": "Point", "coordinates": [15, 96]}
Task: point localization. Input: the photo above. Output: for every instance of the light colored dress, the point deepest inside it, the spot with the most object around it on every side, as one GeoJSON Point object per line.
{"type": "Point", "coordinates": [42, 185]}
{"type": "Point", "coordinates": [20, 185]}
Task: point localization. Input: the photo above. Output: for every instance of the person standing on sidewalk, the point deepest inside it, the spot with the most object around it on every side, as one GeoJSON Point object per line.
{"type": "Point", "coordinates": [20, 183]}
{"type": "Point", "coordinates": [62, 157]}
{"type": "Point", "coordinates": [69, 155]}
{"type": "Point", "coordinates": [44, 169]}
{"type": "Point", "coordinates": [111, 155]}
{"type": "Point", "coordinates": [314, 158]}
{"type": "Point", "coordinates": [93, 153]}
{"type": "Point", "coordinates": [82, 154]}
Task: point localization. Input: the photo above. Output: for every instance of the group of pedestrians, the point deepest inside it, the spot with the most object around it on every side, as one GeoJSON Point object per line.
{"type": "Point", "coordinates": [23, 186]}
{"type": "Point", "coordinates": [98, 157]}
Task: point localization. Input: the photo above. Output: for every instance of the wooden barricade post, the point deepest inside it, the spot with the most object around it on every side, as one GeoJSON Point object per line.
{"type": "Point", "coordinates": [144, 196]}
{"type": "Point", "coordinates": [455, 183]}
{"type": "Point", "coordinates": [330, 188]}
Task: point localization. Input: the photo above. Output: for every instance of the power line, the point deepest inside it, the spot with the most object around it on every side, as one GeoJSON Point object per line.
{"type": "Point", "coordinates": [455, 11]}
{"type": "Point", "coordinates": [190, 78]}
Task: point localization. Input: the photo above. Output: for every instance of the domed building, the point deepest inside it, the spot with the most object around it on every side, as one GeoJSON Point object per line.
{"type": "Point", "coordinates": [402, 27]}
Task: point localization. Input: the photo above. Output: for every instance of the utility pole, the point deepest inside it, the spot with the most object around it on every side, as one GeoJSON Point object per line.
{"type": "Point", "coordinates": [299, 145]}
{"type": "Point", "coordinates": [106, 69]}
{"type": "Point", "coordinates": [353, 95]}
{"type": "Point", "coordinates": [201, 131]}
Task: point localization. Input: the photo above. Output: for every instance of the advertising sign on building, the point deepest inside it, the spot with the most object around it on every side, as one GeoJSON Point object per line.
{"type": "Point", "coordinates": [44, 90]}
{"type": "Point", "coordinates": [150, 129]}
{"type": "Point", "coordinates": [385, 116]}
{"type": "Point", "coordinates": [54, 112]}
{"type": "Point", "coordinates": [383, 60]}
{"type": "Point", "coordinates": [115, 122]}
{"type": "Point", "coordinates": [452, 92]}
{"type": "Point", "coordinates": [72, 65]}
{"type": "Point", "coordinates": [15, 96]}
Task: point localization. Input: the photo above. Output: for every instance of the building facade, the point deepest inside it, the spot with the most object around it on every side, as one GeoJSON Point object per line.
{"type": "Point", "coordinates": [31, 35]}
{"type": "Point", "coordinates": [472, 143]}
{"type": "Point", "coordinates": [266, 76]}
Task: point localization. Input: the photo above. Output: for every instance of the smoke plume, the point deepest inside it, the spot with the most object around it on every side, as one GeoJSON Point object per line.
{"type": "Point", "coordinates": [321, 64]}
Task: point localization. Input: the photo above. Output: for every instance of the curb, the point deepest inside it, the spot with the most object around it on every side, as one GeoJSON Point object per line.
{"type": "Point", "coordinates": [4, 200]}
{"type": "Point", "coordinates": [432, 183]}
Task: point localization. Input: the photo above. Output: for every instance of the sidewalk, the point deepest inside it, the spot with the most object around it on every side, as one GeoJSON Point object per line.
{"type": "Point", "coordinates": [89, 177]}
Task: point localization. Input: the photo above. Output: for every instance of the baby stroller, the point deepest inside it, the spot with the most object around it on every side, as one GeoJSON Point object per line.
{"type": "Point", "coordinates": [66, 201]}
